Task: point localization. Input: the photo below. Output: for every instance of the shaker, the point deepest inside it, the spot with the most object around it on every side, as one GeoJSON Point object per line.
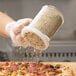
{"type": "Point", "coordinates": [43, 27]}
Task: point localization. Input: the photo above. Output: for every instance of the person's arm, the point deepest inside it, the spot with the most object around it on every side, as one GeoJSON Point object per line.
{"type": "Point", "coordinates": [4, 20]}
{"type": "Point", "coordinates": [10, 28]}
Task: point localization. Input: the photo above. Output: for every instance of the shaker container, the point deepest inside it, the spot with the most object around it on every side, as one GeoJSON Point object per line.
{"type": "Point", "coordinates": [43, 27]}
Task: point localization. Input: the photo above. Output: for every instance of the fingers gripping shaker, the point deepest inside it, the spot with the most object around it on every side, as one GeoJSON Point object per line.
{"type": "Point", "coordinates": [43, 27]}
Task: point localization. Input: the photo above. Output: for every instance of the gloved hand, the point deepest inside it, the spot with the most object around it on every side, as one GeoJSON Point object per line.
{"type": "Point", "coordinates": [14, 31]}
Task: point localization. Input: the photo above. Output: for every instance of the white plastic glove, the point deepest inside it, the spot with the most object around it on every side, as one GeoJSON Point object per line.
{"type": "Point", "coordinates": [14, 31]}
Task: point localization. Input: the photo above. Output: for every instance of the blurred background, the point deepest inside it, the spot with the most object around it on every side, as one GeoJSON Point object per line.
{"type": "Point", "coordinates": [64, 39]}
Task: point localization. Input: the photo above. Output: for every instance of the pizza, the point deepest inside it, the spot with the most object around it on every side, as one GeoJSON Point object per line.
{"type": "Point", "coordinates": [34, 69]}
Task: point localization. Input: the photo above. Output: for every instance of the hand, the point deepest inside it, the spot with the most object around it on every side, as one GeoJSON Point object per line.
{"type": "Point", "coordinates": [14, 29]}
